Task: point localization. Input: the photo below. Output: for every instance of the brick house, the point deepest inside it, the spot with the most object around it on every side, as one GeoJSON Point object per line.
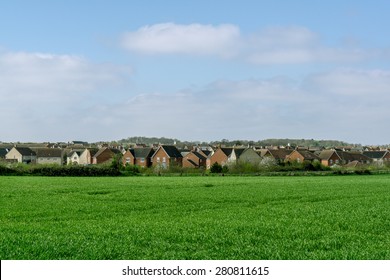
{"type": "Point", "coordinates": [138, 156]}
{"type": "Point", "coordinates": [224, 156]}
{"type": "Point", "coordinates": [105, 155]}
{"type": "Point", "coordinates": [302, 156]}
{"type": "Point", "coordinates": [279, 155]}
{"type": "Point", "coordinates": [330, 157]}
{"type": "Point", "coordinates": [194, 159]}
{"type": "Point", "coordinates": [167, 155]}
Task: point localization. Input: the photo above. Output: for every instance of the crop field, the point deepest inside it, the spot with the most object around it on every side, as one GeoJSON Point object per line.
{"type": "Point", "coordinates": [315, 217]}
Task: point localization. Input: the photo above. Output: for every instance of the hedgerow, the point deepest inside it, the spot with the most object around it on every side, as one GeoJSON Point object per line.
{"type": "Point", "coordinates": [59, 170]}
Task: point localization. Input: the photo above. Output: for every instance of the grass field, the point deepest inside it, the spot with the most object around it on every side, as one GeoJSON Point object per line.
{"type": "Point", "coordinates": [331, 217]}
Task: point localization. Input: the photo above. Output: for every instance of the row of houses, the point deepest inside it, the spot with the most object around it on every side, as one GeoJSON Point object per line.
{"type": "Point", "coordinates": [197, 157]}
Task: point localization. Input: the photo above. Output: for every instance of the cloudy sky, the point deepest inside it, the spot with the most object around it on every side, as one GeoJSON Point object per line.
{"type": "Point", "coordinates": [195, 70]}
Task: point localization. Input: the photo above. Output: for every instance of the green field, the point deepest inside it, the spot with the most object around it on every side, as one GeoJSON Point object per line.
{"type": "Point", "coordinates": [318, 217]}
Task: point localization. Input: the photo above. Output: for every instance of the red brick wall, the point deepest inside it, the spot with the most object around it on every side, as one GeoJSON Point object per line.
{"type": "Point", "coordinates": [295, 156]}
{"type": "Point", "coordinates": [219, 157]}
{"type": "Point", "coordinates": [126, 156]}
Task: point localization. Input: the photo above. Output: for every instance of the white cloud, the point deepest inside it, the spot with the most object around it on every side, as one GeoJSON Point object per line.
{"type": "Point", "coordinates": [55, 97]}
{"type": "Point", "coordinates": [352, 83]}
{"type": "Point", "coordinates": [271, 45]}
{"type": "Point", "coordinates": [40, 91]}
{"type": "Point", "coordinates": [48, 75]}
{"type": "Point", "coordinates": [170, 38]}
{"type": "Point", "coordinates": [257, 109]}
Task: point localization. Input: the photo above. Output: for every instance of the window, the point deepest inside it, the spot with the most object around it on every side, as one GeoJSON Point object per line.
{"type": "Point", "coordinates": [142, 159]}
{"type": "Point", "coordinates": [127, 160]}
{"type": "Point", "coordinates": [164, 159]}
{"type": "Point", "coordinates": [158, 159]}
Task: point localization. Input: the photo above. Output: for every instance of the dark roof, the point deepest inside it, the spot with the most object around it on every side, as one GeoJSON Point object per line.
{"type": "Point", "coordinates": [25, 151]}
{"type": "Point", "coordinates": [142, 152]}
{"type": "Point", "coordinates": [206, 152]}
{"type": "Point", "coordinates": [307, 155]}
{"type": "Point", "coordinates": [47, 152]}
{"type": "Point", "coordinates": [113, 151]}
{"type": "Point", "coordinates": [375, 154]}
{"type": "Point", "coordinates": [348, 156]}
{"type": "Point", "coordinates": [93, 151]}
{"type": "Point", "coordinates": [3, 152]}
{"type": "Point", "coordinates": [279, 154]}
{"type": "Point", "coordinates": [239, 151]}
{"type": "Point", "coordinates": [227, 151]}
{"type": "Point", "coordinates": [172, 151]}
{"type": "Point", "coordinates": [78, 152]}
{"type": "Point", "coordinates": [199, 155]}
{"type": "Point", "coordinates": [193, 163]}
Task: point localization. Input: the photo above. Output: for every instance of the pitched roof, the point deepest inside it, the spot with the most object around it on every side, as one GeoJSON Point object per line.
{"type": "Point", "coordinates": [307, 155]}
{"type": "Point", "coordinates": [192, 163]}
{"type": "Point", "coordinates": [239, 151]}
{"type": "Point", "coordinates": [114, 151]}
{"type": "Point", "coordinates": [142, 152]}
{"type": "Point", "coordinates": [199, 155]}
{"type": "Point", "coordinates": [78, 152]}
{"type": "Point", "coordinates": [227, 151]}
{"type": "Point", "coordinates": [348, 156]}
{"type": "Point", "coordinates": [279, 154]}
{"type": "Point", "coordinates": [206, 152]}
{"type": "Point", "coordinates": [375, 154]}
{"type": "Point", "coordinates": [92, 151]}
{"type": "Point", "coordinates": [25, 151]}
{"type": "Point", "coordinates": [48, 152]}
{"type": "Point", "coordinates": [172, 151]}
{"type": "Point", "coordinates": [326, 154]}
{"type": "Point", "coordinates": [3, 152]}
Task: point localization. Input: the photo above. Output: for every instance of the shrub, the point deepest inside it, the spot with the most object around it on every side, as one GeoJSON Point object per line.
{"type": "Point", "coordinates": [216, 168]}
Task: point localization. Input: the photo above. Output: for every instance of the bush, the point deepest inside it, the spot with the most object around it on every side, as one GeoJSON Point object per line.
{"type": "Point", "coordinates": [216, 168]}
{"type": "Point", "coordinates": [59, 170]}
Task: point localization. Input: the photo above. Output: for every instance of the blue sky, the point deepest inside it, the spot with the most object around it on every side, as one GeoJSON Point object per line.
{"type": "Point", "coordinates": [195, 70]}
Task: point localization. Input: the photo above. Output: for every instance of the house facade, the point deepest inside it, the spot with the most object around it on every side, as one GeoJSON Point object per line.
{"type": "Point", "coordinates": [73, 157]}
{"type": "Point", "coordinates": [104, 155]}
{"type": "Point", "coordinates": [279, 155]}
{"type": "Point", "coordinates": [378, 157]}
{"type": "Point", "coordinates": [48, 156]}
{"type": "Point", "coordinates": [21, 155]}
{"type": "Point", "coordinates": [166, 156]}
{"type": "Point", "coordinates": [348, 157]}
{"type": "Point", "coordinates": [302, 156]}
{"type": "Point", "coordinates": [249, 155]}
{"type": "Point", "coordinates": [86, 156]}
{"type": "Point", "coordinates": [138, 156]}
{"type": "Point", "coordinates": [220, 156]}
{"type": "Point", "coordinates": [330, 158]}
{"type": "Point", "coordinates": [194, 159]}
